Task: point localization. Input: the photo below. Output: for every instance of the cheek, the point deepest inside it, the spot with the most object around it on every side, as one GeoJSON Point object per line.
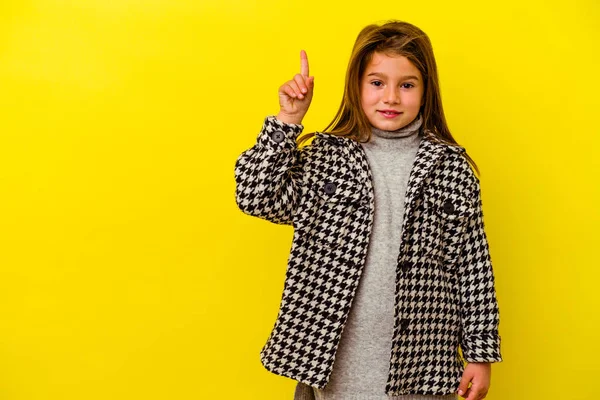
{"type": "Point", "coordinates": [419, 97]}
{"type": "Point", "coordinates": [368, 98]}
{"type": "Point", "coordinates": [413, 99]}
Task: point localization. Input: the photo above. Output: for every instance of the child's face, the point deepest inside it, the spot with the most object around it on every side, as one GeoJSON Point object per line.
{"type": "Point", "coordinates": [387, 85]}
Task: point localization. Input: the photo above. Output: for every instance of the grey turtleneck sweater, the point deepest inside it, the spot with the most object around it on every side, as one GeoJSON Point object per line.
{"type": "Point", "coordinates": [361, 365]}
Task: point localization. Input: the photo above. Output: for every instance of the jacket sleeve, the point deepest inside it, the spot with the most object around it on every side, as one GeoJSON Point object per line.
{"type": "Point", "coordinates": [266, 174]}
{"type": "Point", "coordinates": [480, 341]}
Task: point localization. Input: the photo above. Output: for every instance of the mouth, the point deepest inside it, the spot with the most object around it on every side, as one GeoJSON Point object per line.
{"type": "Point", "coordinates": [389, 113]}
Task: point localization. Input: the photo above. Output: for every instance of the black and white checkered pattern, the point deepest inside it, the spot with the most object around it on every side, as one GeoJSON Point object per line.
{"type": "Point", "coordinates": [445, 294]}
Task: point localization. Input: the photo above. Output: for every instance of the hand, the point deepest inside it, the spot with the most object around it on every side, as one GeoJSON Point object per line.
{"type": "Point", "coordinates": [296, 94]}
{"type": "Point", "coordinates": [479, 373]}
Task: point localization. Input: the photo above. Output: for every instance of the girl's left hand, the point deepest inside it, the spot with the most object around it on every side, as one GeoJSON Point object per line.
{"type": "Point", "coordinates": [479, 374]}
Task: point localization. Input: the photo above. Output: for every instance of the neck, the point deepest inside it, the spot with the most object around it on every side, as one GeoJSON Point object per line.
{"type": "Point", "coordinates": [405, 131]}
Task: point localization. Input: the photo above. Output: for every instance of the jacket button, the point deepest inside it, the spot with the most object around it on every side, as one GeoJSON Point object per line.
{"type": "Point", "coordinates": [405, 266]}
{"type": "Point", "coordinates": [330, 188]}
{"type": "Point", "coordinates": [404, 324]}
{"type": "Point", "coordinates": [277, 136]}
{"type": "Point", "coordinates": [448, 206]}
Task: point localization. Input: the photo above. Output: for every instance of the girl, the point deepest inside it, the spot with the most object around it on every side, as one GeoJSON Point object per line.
{"type": "Point", "coordinates": [389, 273]}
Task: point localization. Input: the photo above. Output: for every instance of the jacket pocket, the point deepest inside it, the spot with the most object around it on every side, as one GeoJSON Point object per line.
{"type": "Point", "coordinates": [329, 217]}
{"type": "Point", "coordinates": [446, 218]}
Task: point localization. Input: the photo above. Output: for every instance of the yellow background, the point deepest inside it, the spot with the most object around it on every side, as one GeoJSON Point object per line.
{"type": "Point", "coordinates": [127, 271]}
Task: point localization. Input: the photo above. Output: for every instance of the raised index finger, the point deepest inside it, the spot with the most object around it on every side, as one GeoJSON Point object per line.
{"type": "Point", "coordinates": [303, 63]}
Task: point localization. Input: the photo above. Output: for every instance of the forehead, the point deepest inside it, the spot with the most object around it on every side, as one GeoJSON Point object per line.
{"type": "Point", "coordinates": [391, 65]}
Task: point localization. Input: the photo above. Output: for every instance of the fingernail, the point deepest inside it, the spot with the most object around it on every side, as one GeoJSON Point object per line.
{"type": "Point", "coordinates": [460, 391]}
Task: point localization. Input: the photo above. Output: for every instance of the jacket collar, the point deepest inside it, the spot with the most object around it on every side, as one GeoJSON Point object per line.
{"type": "Point", "coordinates": [430, 152]}
{"type": "Point", "coordinates": [427, 136]}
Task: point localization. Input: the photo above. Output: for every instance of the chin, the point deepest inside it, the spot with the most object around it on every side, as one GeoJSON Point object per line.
{"type": "Point", "coordinates": [391, 126]}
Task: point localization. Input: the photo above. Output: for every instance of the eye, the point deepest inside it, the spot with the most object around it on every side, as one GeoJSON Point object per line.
{"type": "Point", "coordinates": [410, 84]}
{"type": "Point", "coordinates": [374, 82]}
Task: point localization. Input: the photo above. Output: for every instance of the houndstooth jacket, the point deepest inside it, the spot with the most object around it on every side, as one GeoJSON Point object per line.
{"type": "Point", "coordinates": [445, 295]}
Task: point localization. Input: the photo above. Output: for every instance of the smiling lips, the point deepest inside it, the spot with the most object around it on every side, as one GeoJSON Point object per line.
{"type": "Point", "coordinates": [389, 113]}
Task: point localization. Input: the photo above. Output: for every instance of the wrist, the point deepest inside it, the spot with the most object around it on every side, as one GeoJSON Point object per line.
{"type": "Point", "coordinates": [289, 119]}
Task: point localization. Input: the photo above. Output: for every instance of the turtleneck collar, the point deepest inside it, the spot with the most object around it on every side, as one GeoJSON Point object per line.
{"type": "Point", "coordinates": [405, 131]}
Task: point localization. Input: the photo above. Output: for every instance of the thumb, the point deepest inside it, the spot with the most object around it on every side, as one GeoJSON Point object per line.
{"type": "Point", "coordinates": [311, 81]}
{"type": "Point", "coordinates": [464, 385]}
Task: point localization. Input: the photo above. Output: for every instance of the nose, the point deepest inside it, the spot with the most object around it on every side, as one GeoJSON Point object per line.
{"type": "Point", "coordinates": [390, 96]}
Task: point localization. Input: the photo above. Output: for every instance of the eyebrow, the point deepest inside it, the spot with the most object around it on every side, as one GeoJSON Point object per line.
{"type": "Point", "coordinates": [402, 77]}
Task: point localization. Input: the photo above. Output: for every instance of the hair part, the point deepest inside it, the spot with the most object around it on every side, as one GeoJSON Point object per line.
{"type": "Point", "coordinates": [393, 38]}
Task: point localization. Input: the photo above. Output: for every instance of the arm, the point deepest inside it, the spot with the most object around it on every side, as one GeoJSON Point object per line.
{"type": "Point", "coordinates": [266, 173]}
{"type": "Point", "coordinates": [479, 306]}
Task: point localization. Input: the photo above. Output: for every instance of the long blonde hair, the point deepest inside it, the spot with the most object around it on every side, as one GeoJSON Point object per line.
{"type": "Point", "coordinates": [392, 38]}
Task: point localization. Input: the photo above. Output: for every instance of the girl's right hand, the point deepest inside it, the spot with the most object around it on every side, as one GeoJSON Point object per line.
{"type": "Point", "coordinates": [296, 94]}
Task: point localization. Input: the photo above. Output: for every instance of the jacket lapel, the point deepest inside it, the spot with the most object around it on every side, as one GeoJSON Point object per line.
{"type": "Point", "coordinates": [430, 152]}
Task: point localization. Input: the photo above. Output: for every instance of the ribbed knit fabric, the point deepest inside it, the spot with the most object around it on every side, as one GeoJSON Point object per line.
{"type": "Point", "coordinates": [361, 365]}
